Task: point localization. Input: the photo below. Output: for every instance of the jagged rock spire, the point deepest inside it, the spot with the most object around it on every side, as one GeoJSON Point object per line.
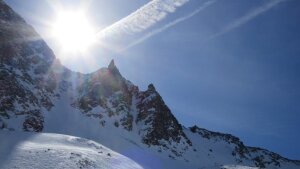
{"type": "Point", "coordinates": [112, 64]}
{"type": "Point", "coordinates": [113, 68]}
{"type": "Point", "coordinates": [151, 87]}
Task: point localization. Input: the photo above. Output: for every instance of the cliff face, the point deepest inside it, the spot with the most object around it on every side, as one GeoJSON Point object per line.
{"type": "Point", "coordinates": [157, 121]}
{"type": "Point", "coordinates": [27, 82]}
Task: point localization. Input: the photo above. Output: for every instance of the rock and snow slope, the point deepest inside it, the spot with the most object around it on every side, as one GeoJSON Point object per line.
{"type": "Point", "coordinates": [23, 150]}
{"type": "Point", "coordinates": [20, 150]}
{"type": "Point", "coordinates": [39, 94]}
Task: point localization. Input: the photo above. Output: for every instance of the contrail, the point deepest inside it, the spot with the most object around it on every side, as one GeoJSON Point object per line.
{"type": "Point", "coordinates": [171, 24]}
{"type": "Point", "coordinates": [141, 19]}
{"type": "Point", "coordinates": [246, 18]}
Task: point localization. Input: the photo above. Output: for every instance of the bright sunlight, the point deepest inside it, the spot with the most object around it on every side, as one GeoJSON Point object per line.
{"type": "Point", "coordinates": [73, 31]}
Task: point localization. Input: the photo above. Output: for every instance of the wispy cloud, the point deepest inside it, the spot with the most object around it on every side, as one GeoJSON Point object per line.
{"type": "Point", "coordinates": [171, 24]}
{"type": "Point", "coordinates": [249, 16]}
{"type": "Point", "coordinates": [142, 19]}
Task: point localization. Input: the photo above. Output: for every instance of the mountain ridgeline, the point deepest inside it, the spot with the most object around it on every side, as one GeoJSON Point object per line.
{"type": "Point", "coordinates": [38, 94]}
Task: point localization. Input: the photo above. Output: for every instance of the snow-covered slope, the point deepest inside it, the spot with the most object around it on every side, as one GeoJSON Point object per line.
{"type": "Point", "coordinates": [39, 94]}
{"type": "Point", "coordinates": [229, 151]}
{"type": "Point", "coordinates": [20, 150]}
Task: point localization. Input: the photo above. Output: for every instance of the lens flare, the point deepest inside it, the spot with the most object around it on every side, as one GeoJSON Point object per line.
{"type": "Point", "coordinates": [73, 31]}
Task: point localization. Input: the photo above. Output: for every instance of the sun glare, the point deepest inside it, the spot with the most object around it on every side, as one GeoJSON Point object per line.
{"type": "Point", "coordinates": [73, 31]}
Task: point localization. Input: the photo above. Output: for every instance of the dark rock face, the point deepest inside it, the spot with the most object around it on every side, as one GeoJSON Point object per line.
{"type": "Point", "coordinates": [26, 81]}
{"type": "Point", "coordinates": [33, 121]}
{"type": "Point", "coordinates": [214, 135]}
{"type": "Point", "coordinates": [158, 122]}
{"type": "Point", "coordinates": [108, 90]}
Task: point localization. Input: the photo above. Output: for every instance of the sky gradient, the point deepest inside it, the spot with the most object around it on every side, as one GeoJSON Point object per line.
{"type": "Point", "coordinates": [230, 66]}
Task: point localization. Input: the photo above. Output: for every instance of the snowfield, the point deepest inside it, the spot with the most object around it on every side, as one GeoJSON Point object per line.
{"type": "Point", "coordinates": [28, 150]}
{"type": "Point", "coordinates": [238, 167]}
{"type": "Point", "coordinates": [22, 150]}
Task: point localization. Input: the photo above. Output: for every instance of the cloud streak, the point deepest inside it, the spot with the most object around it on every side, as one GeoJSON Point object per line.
{"type": "Point", "coordinates": [142, 19]}
{"type": "Point", "coordinates": [171, 24]}
{"type": "Point", "coordinates": [249, 16]}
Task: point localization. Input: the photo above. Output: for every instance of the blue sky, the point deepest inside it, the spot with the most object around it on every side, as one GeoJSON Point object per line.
{"type": "Point", "coordinates": [232, 66]}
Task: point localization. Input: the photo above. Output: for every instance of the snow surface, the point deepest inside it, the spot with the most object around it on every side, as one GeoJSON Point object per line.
{"type": "Point", "coordinates": [45, 150]}
{"type": "Point", "coordinates": [238, 167]}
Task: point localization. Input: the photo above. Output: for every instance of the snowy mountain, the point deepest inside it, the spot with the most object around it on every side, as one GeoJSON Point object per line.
{"type": "Point", "coordinates": [38, 94]}
{"type": "Point", "coordinates": [44, 150]}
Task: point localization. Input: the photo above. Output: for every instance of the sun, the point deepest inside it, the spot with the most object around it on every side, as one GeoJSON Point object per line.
{"type": "Point", "coordinates": [73, 32]}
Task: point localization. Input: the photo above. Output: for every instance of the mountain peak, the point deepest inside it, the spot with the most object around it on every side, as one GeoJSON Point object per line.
{"type": "Point", "coordinates": [112, 64]}
{"type": "Point", "coordinates": [194, 128]}
{"type": "Point", "coordinates": [7, 14]}
{"type": "Point", "coordinates": [151, 87]}
{"type": "Point", "coordinates": [113, 68]}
